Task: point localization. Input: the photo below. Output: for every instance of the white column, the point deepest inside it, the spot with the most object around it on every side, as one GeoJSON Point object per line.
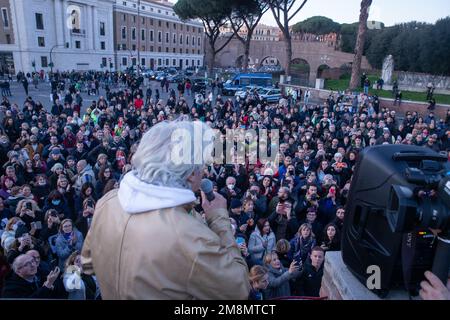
{"type": "Point", "coordinates": [59, 22]}
{"type": "Point", "coordinates": [95, 27]}
{"type": "Point", "coordinates": [88, 28]}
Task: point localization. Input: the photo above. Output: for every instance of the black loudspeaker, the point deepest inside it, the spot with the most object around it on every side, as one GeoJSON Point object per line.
{"type": "Point", "coordinates": [397, 194]}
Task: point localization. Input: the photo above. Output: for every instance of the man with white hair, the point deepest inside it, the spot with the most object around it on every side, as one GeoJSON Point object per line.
{"type": "Point", "coordinates": [23, 283]}
{"type": "Point", "coordinates": [145, 242]}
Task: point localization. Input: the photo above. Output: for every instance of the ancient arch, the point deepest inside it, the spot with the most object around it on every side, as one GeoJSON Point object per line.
{"type": "Point", "coordinates": [300, 71]}
{"type": "Point", "coordinates": [321, 69]}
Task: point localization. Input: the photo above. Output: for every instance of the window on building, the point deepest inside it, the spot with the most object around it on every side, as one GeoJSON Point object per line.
{"type": "Point", "coordinates": [181, 39]}
{"type": "Point", "coordinates": [124, 17]}
{"type": "Point", "coordinates": [124, 61]}
{"type": "Point", "coordinates": [104, 62]}
{"type": "Point", "coordinates": [5, 18]}
{"type": "Point", "coordinates": [143, 20]}
{"type": "Point", "coordinates": [151, 21]}
{"type": "Point", "coordinates": [167, 24]}
{"type": "Point", "coordinates": [151, 48]}
{"type": "Point", "coordinates": [187, 62]}
{"type": "Point", "coordinates": [134, 19]}
{"type": "Point", "coordinates": [44, 62]}
{"type": "Point", "coordinates": [134, 5]}
{"type": "Point", "coordinates": [142, 61]}
{"type": "Point", "coordinates": [133, 47]}
{"type": "Point", "coordinates": [133, 61]}
{"type": "Point", "coordinates": [159, 23]}
{"type": "Point", "coordinates": [102, 45]}
{"type": "Point", "coordinates": [143, 7]}
{"type": "Point", "coordinates": [175, 26]}
{"type": "Point", "coordinates": [8, 39]}
{"type": "Point", "coordinates": [159, 61]}
{"type": "Point", "coordinates": [187, 28]}
{"type": "Point", "coordinates": [102, 29]}
{"type": "Point", "coordinates": [159, 49]}
{"type": "Point", "coordinates": [159, 36]}
{"type": "Point", "coordinates": [187, 40]}
{"type": "Point", "coordinates": [78, 44]}
{"type": "Point", "coordinates": [41, 42]}
{"type": "Point", "coordinates": [198, 51]}
{"type": "Point", "coordinates": [159, 11]}
{"type": "Point", "coordinates": [167, 49]}
{"type": "Point", "coordinates": [151, 35]}
{"type": "Point", "coordinates": [167, 13]}
{"type": "Point", "coordinates": [142, 48]}
{"type": "Point", "coordinates": [124, 46]}
{"type": "Point", "coordinates": [174, 51]}
{"type": "Point", "coordinates": [198, 41]}
{"type": "Point", "coordinates": [181, 27]}
{"type": "Point", "coordinates": [174, 62]}
{"type": "Point", "coordinates": [167, 37]}
{"type": "Point", "coordinates": [167, 62]}
{"type": "Point", "coordinates": [198, 62]}
{"type": "Point", "coordinates": [193, 51]}
{"type": "Point", "coordinates": [187, 51]}
{"type": "Point", "coordinates": [181, 50]}
{"type": "Point", "coordinates": [124, 3]}
{"type": "Point", "coordinates": [133, 33]}
{"type": "Point", "coordinates": [193, 63]}
{"type": "Point", "coordinates": [143, 34]}
{"type": "Point", "coordinates": [39, 21]}
{"type": "Point", "coordinates": [124, 32]}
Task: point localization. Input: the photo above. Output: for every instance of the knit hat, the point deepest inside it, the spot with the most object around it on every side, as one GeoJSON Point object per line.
{"type": "Point", "coordinates": [235, 203]}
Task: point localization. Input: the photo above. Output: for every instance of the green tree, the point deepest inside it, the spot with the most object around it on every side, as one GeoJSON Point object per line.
{"type": "Point", "coordinates": [214, 15]}
{"type": "Point", "coordinates": [317, 25]}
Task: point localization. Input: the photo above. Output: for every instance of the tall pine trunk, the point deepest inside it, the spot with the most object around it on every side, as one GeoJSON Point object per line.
{"type": "Point", "coordinates": [287, 67]}
{"type": "Point", "coordinates": [359, 47]}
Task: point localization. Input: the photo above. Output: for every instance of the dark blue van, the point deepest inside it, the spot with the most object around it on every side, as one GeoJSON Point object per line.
{"type": "Point", "coordinates": [243, 80]}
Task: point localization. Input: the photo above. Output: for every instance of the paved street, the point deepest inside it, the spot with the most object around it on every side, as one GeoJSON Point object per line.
{"type": "Point", "coordinates": [42, 94]}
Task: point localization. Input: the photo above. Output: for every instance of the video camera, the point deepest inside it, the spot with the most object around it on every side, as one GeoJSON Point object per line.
{"type": "Point", "coordinates": [398, 193]}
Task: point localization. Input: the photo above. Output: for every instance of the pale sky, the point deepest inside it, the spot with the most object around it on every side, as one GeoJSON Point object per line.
{"type": "Point", "coordinates": [390, 12]}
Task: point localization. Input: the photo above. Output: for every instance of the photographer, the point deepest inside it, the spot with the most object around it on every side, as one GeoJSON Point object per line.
{"type": "Point", "coordinates": [311, 199]}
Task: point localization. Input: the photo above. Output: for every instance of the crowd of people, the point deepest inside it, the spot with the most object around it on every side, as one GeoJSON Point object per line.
{"type": "Point", "coordinates": [59, 159]}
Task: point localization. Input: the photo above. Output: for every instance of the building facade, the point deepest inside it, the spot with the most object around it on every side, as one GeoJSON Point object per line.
{"type": "Point", "coordinates": [95, 35]}
{"type": "Point", "coordinates": [150, 34]}
{"type": "Point", "coordinates": [65, 34]}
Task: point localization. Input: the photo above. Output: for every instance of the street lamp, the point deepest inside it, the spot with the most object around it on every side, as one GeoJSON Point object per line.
{"type": "Point", "coordinates": [51, 59]}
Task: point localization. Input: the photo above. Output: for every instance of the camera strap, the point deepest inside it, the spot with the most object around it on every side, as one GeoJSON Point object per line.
{"type": "Point", "coordinates": [408, 254]}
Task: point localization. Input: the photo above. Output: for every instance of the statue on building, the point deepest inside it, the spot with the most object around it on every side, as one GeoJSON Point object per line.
{"type": "Point", "coordinates": [388, 69]}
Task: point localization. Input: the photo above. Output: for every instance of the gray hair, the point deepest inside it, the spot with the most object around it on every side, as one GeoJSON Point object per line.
{"type": "Point", "coordinates": [154, 162]}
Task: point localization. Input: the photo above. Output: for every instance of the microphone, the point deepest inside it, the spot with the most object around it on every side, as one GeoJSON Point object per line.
{"type": "Point", "coordinates": [207, 187]}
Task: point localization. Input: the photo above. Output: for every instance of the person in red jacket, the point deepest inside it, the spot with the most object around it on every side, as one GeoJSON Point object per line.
{"type": "Point", "coordinates": [138, 103]}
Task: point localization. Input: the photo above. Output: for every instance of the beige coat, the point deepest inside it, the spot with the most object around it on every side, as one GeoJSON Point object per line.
{"type": "Point", "coordinates": [163, 254]}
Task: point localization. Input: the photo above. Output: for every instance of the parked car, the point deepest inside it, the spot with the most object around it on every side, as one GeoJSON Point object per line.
{"type": "Point", "coordinates": [248, 91]}
{"type": "Point", "coordinates": [160, 76]}
{"type": "Point", "coordinates": [199, 85]}
{"type": "Point", "coordinates": [270, 95]}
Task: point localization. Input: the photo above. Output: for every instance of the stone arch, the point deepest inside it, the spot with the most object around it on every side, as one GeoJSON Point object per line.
{"type": "Point", "coordinates": [321, 69]}
{"type": "Point", "coordinates": [300, 71]}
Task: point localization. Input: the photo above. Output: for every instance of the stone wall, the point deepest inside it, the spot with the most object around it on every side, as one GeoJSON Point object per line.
{"type": "Point", "coordinates": [421, 80]}
{"type": "Point", "coordinates": [421, 107]}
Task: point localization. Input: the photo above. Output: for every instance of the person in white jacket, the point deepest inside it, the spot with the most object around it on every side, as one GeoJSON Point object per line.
{"type": "Point", "coordinates": [262, 241]}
